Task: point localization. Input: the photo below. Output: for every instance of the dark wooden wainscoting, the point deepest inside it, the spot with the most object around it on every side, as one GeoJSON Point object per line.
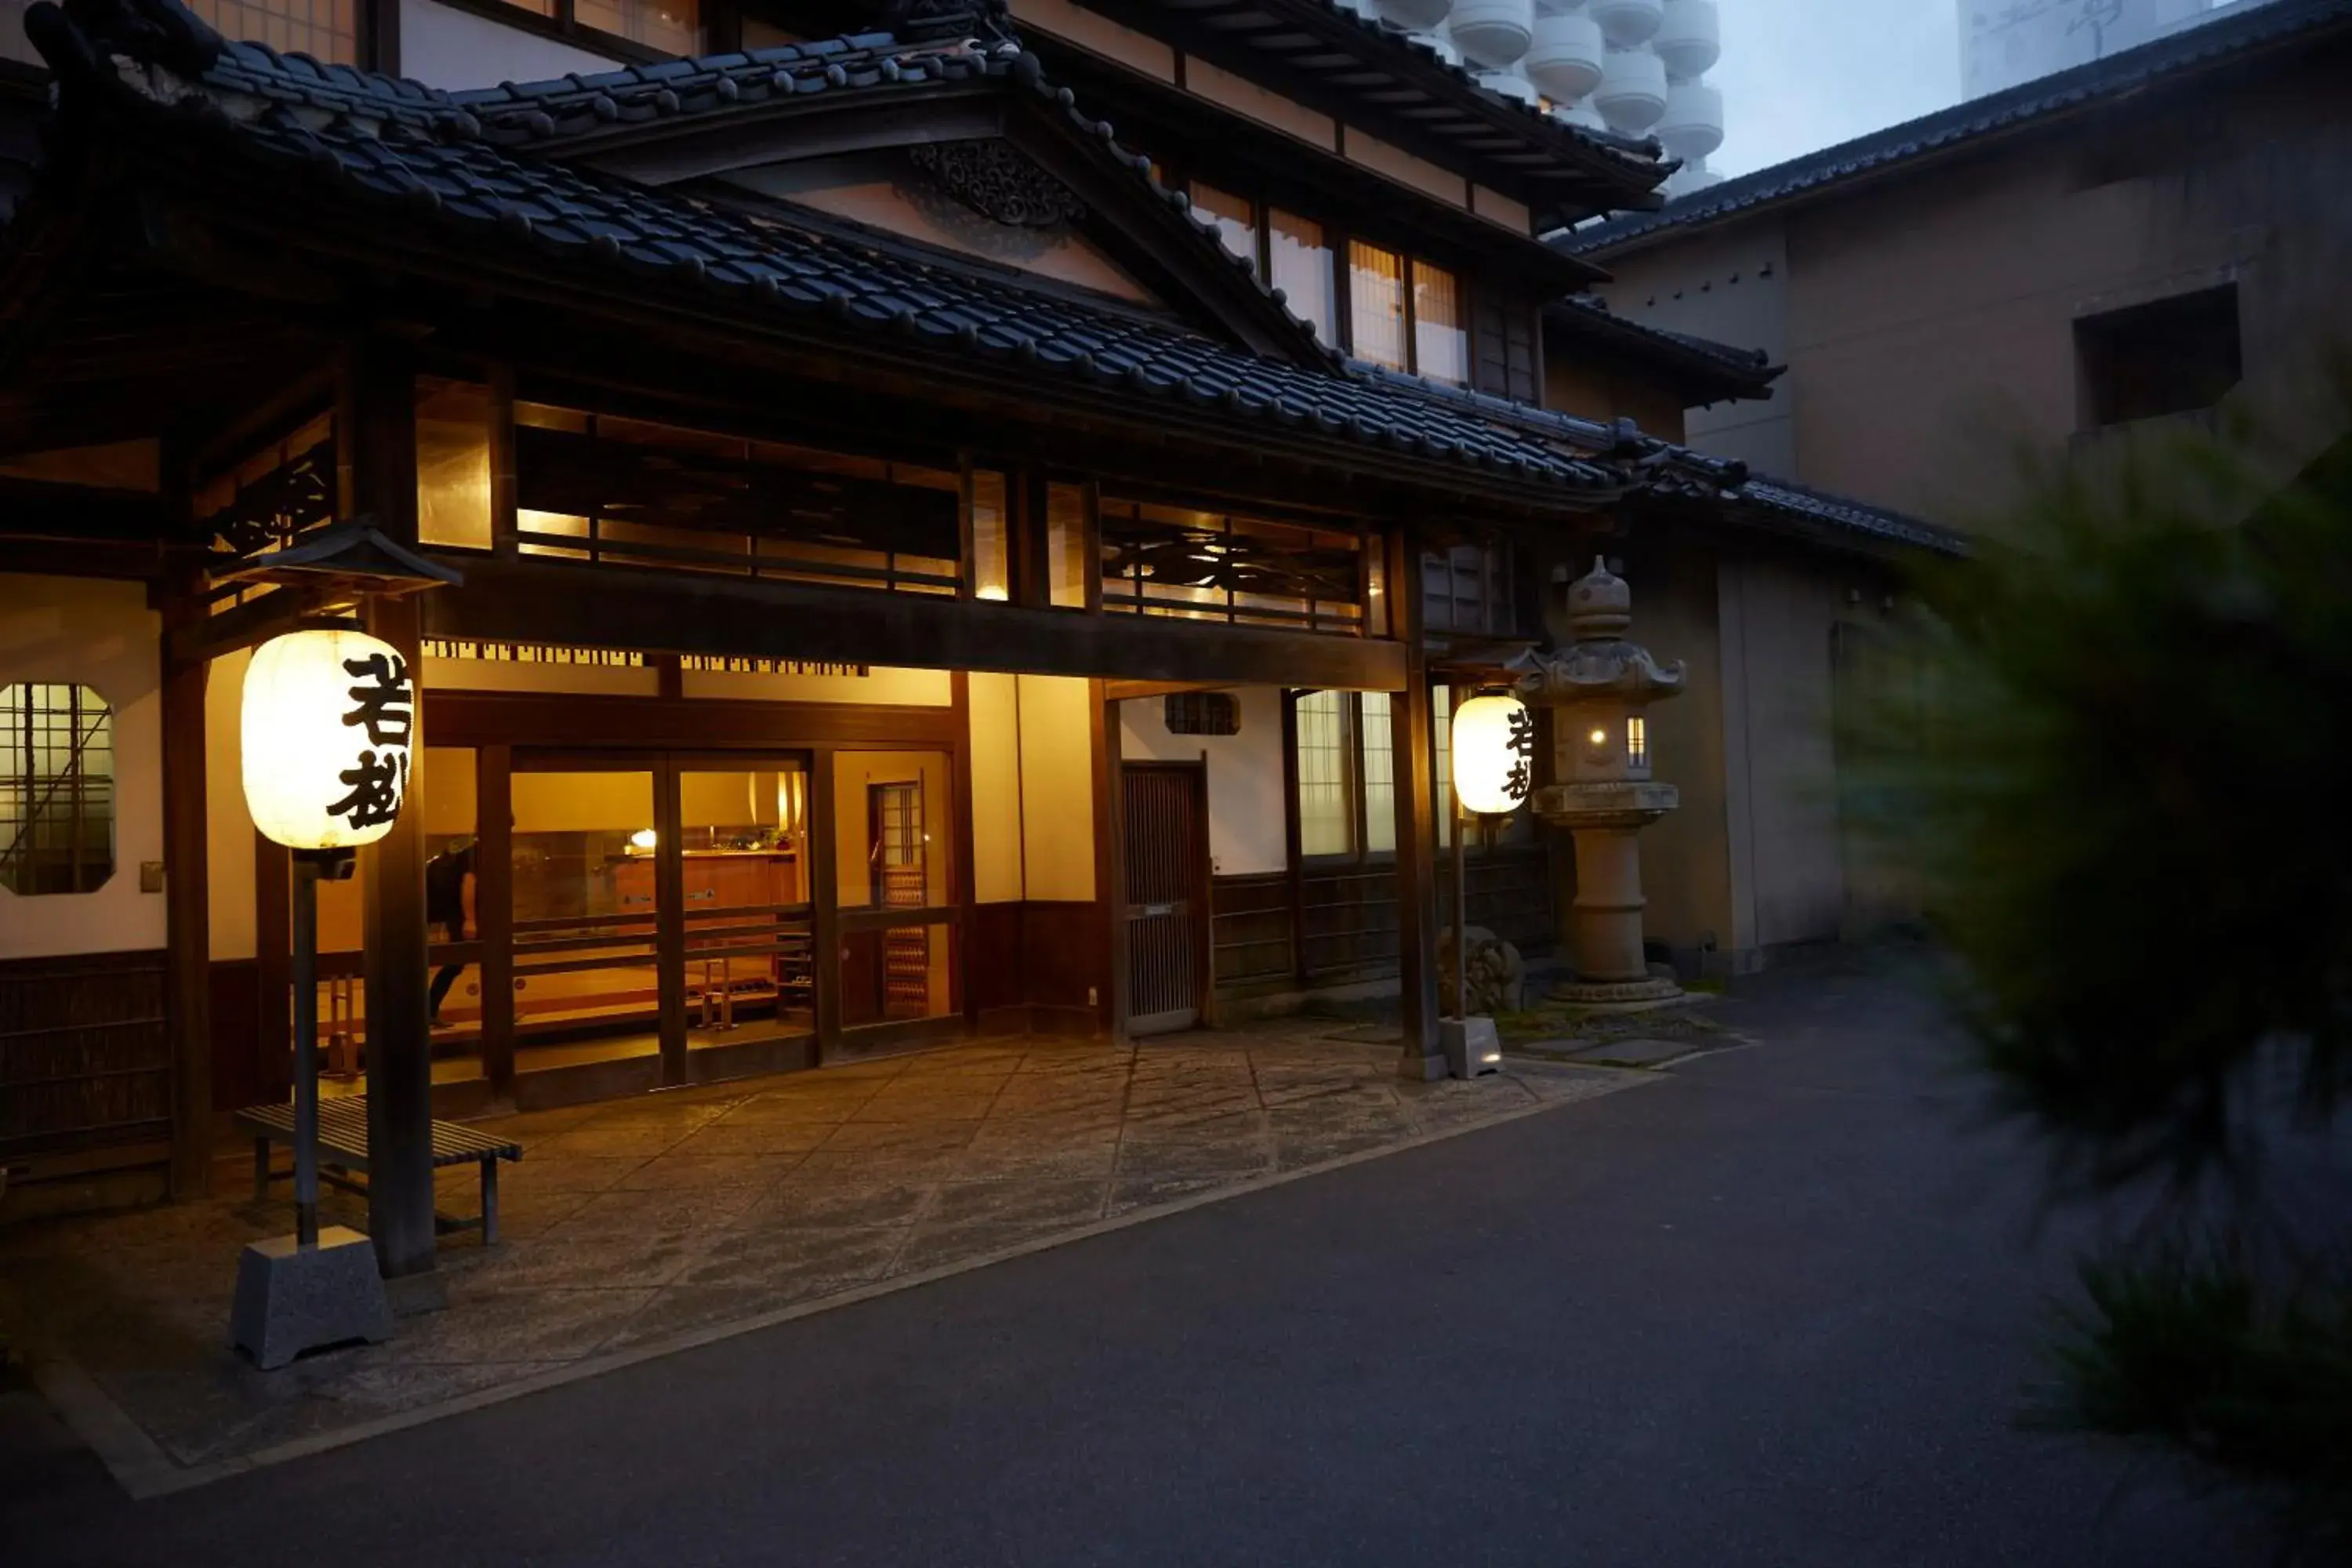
{"type": "Point", "coordinates": [1031, 964]}
{"type": "Point", "coordinates": [251, 1064]}
{"type": "Point", "coordinates": [84, 1064]}
{"type": "Point", "coordinates": [1340, 925]}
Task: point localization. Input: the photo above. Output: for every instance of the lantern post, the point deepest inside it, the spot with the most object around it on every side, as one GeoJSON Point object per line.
{"type": "Point", "coordinates": [329, 721]}
{"type": "Point", "coordinates": [1492, 749]}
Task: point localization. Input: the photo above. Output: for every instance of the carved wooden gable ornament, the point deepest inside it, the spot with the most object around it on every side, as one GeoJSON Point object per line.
{"type": "Point", "coordinates": [998, 182]}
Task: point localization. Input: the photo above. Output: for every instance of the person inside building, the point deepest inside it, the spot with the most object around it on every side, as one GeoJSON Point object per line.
{"type": "Point", "coordinates": [450, 909]}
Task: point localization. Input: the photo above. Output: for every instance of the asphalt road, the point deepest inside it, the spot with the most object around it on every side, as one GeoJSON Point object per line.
{"type": "Point", "coordinates": [1781, 1308]}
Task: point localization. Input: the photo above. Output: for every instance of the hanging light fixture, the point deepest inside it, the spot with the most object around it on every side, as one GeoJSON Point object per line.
{"type": "Point", "coordinates": [1494, 753]}
{"type": "Point", "coordinates": [328, 722]}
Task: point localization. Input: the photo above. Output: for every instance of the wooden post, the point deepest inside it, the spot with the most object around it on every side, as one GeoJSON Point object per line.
{"type": "Point", "coordinates": [494, 911]}
{"type": "Point", "coordinates": [1416, 871]}
{"type": "Point", "coordinates": [967, 898]}
{"type": "Point", "coordinates": [669, 922]}
{"type": "Point", "coordinates": [825, 899]}
{"type": "Point", "coordinates": [375, 426]}
{"type": "Point", "coordinates": [273, 947]}
{"type": "Point", "coordinates": [187, 914]}
{"type": "Point", "coordinates": [1110, 860]}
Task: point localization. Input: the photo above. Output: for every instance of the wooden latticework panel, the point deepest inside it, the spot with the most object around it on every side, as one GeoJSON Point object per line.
{"type": "Point", "coordinates": [84, 1060]}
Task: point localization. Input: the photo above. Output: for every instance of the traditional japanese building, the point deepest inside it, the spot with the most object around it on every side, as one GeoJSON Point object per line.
{"type": "Point", "coordinates": [929, 561]}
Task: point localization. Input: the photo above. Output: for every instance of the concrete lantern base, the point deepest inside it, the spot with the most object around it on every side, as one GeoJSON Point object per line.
{"type": "Point", "coordinates": [1472, 1045]}
{"type": "Point", "coordinates": [292, 1298]}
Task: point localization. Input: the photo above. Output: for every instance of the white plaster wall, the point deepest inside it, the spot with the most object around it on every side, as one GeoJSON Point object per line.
{"type": "Point", "coordinates": [228, 870]}
{"type": "Point", "coordinates": [994, 715]}
{"type": "Point", "coordinates": [1246, 805]}
{"type": "Point", "coordinates": [100, 634]}
{"type": "Point", "coordinates": [1787, 872]}
{"type": "Point", "coordinates": [1057, 787]}
{"type": "Point", "coordinates": [452, 48]}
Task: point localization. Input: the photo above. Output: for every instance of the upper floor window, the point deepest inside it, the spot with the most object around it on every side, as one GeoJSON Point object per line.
{"type": "Point", "coordinates": [665, 26]}
{"type": "Point", "coordinates": [1406, 314]}
{"type": "Point", "coordinates": [1236, 217]}
{"type": "Point", "coordinates": [1299, 263]}
{"type": "Point", "coordinates": [1468, 589]}
{"type": "Point", "coordinates": [56, 789]}
{"type": "Point", "coordinates": [324, 29]}
{"type": "Point", "coordinates": [1402, 313]}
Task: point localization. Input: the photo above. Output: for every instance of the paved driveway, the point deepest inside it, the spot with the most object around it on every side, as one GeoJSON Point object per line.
{"type": "Point", "coordinates": [1777, 1310]}
{"type": "Point", "coordinates": [633, 1227]}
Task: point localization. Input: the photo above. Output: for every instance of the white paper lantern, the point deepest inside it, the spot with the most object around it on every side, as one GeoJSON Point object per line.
{"type": "Point", "coordinates": [329, 720]}
{"type": "Point", "coordinates": [1493, 754]}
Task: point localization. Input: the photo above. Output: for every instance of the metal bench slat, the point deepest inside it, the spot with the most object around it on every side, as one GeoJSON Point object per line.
{"type": "Point", "coordinates": [343, 1129]}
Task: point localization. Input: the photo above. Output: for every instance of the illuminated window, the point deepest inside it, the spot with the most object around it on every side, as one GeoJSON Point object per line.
{"type": "Point", "coordinates": [672, 27]}
{"type": "Point", "coordinates": [1637, 741]}
{"type": "Point", "coordinates": [324, 29]}
{"type": "Point", "coordinates": [1406, 314]}
{"type": "Point", "coordinates": [1325, 814]}
{"type": "Point", "coordinates": [1302, 269]}
{"type": "Point", "coordinates": [1236, 217]}
{"type": "Point", "coordinates": [991, 573]}
{"type": "Point", "coordinates": [1066, 546]}
{"type": "Point", "coordinates": [1347, 774]}
{"type": "Point", "coordinates": [1376, 305]}
{"type": "Point", "coordinates": [453, 463]}
{"type": "Point", "coordinates": [56, 789]}
{"type": "Point", "coordinates": [1379, 773]}
{"type": "Point", "coordinates": [1441, 349]}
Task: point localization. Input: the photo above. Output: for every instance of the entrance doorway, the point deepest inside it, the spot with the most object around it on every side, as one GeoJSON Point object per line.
{"type": "Point", "coordinates": [1167, 843]}
{"type": "Point", "coordinates": [660, 916]}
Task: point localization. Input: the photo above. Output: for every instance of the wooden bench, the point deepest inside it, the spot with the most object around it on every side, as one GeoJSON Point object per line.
{"type": "Point", "coordinates": [343, 1147]}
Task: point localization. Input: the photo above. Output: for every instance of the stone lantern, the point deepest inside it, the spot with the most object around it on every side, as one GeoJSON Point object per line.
{"type": "Point", "coordinates": [1598, 689]}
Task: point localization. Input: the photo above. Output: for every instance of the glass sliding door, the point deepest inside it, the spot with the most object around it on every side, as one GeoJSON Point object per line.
{"type": "Point", "coordinates": [892, 816]}
{"type": "Point", "coordinates": [587, 911]}
{"type": "Point", "coordinates": [749, 944]}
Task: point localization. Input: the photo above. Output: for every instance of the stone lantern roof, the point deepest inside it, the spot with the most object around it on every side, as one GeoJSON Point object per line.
{"type": "Point", "coordinates": [1600, 662]}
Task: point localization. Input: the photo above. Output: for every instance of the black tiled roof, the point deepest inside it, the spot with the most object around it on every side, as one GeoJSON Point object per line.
{"type": "Point", "coordinates": [2197, 48]}
{"type": "Point", "coordinates": [403, 153]}
{"type": "Point", "coordinates": [1670, 470]}
{"type": "Point", "coordinates": [414, 154]}
{"type": "Point", "coordinates": [1725, 372]}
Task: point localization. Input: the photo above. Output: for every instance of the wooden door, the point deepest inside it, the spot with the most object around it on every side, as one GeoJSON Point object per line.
{"type": "Point", "coordinates": [1167, 895]}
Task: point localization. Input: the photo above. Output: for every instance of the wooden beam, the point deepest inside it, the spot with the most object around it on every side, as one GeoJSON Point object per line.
{"type": "Point", "coordinates": [1110, 861]}
{"type": "Point", "coordinates": [1416, 867]}
{"type": "Point", "coordinates": [824, 901]}
{"type": "Point", "coordinates": [273, 948]}
{"type": "Point", "coordinates": [376, 464]}
{"type": "Point", "coordinates": [669, 922]}
{"type": "Point", "coordinates": [967, 897]}
{"type": "Point", "coordinates": [624, 607]}
{"type": "Point", "coordinates": [584, 721]}
{"type": "Point", "coordinates": [187, 905]}
{"type": "Point", "coordinates": [254, 621]}
{"type": "Point", "coordinates": [494, 909]}
{"type": "Point", "coordinates": [1129, 690]}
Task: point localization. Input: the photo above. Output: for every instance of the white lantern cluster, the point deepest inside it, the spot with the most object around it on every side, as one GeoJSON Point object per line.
{"type": "Point", "coordinates": [329, 720]}
{"type": "Point", "coordinates": [1493, 747]}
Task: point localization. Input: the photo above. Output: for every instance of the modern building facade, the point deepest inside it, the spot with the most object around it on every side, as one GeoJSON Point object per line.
{"type": "Point", "coordinates": [933, 561]}
{"type": "Point", "coordinates": [2008, 43]}
{"type": "Point", "coordinates": [2049, 269]}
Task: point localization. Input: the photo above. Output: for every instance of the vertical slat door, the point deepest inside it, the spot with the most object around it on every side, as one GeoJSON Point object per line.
{"type": "Point", "coordinates": [1164, 898]}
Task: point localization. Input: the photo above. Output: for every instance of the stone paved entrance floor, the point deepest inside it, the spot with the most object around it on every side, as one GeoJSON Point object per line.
{"type": "Point", "coordinates": [648, 1224]}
